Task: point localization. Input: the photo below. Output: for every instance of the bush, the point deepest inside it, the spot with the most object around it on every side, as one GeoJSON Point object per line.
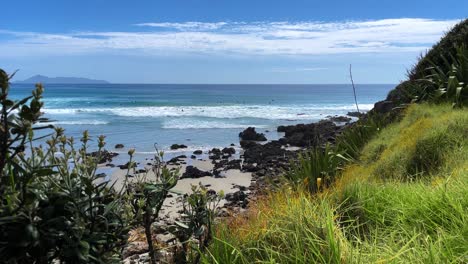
{"type": "Point", "coordinates": [53, 204]}
{"type": "Point", "coordinates": [441, 55]}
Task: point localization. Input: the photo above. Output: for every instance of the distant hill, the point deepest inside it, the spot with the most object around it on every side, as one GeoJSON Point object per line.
{"type": "Point", "coordinates": [73, 80]}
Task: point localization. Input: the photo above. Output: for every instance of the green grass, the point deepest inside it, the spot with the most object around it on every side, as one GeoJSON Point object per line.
{"type": "Point", "coordinates": [405, 200]}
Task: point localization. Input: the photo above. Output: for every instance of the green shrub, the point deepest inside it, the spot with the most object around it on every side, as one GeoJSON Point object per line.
{"type": "Point", "coordinates": [429, 153]}
{"type": "Point", "coordinates": [445, 49]}
{"type": "Point", "coordinates": [314, 167]}
{"type": "Point", "coordinates": [449, 82]}
{"type": "Point", "coordinates": [54, 207]}
{"type": "Point", "coordinates": [441, 55]}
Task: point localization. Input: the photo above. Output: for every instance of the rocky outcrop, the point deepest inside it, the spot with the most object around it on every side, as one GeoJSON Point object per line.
{"type": "Point", "coordinates": [383, 107]}
{"type": "Point", "coordinates": [177, 160]}
{"type": "Point", "coordinates": [119, 146]}
{"type": "Point", "coordinates": [194, 172]}
{"type": "Point", "coordinates": [178, 146]}
{"type": "Point", "coordinates": [306, 135]}
{"type": "Point", "coordinates": [250, 134]}
{"type": "Point", "coordinates": [245, 144]}
{"type": "Point", "coordinates": [339, 119]}
{"type": "Point", "coordinates": [229, 151]}
{"type": "Point", "coordinates": [355, 114]}
{"type": "Point", "coordinates": [262, 153]}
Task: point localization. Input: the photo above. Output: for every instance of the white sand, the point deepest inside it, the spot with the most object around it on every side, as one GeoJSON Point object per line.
{"type": "Point", "coordinates": [171, 205]}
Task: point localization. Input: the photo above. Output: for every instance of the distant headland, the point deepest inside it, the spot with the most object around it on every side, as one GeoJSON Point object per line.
{"type": "Point", "coordinates": [61, 80]}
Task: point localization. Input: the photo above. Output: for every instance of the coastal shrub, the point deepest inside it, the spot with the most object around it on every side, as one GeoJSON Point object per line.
{"type": "Point", "coordinates": [444, 49]}
{"type": "Point", "coordinates": [54, 206]}
{"type": "Point", "coordinates": [442, 55]}
{"type": "Point", "coordinates": [449, 82]}
{"type": "Point", "coordinates": [145, 197]}
{"type": "Point", "coordinates": [199, 209]}
{"type": "Point", "coordinates": [315, 167]}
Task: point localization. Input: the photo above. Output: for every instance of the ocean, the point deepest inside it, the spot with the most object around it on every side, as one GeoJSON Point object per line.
{"type": "Point", "coordinates": [199, 116]}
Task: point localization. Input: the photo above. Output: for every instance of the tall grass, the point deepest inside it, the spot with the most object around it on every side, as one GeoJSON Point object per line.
{"type": "Point", "coordinates": [319, 166]}
{"type": "Point", "coordinates": [365, 217]}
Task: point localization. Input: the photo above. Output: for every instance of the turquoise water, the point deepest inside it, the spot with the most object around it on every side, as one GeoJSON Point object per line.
{"type": "Point", "coordinates": [199, 116]}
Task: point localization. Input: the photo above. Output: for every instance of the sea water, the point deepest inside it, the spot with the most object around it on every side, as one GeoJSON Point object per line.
{"type": "Point", "coordinates": [199, 116]}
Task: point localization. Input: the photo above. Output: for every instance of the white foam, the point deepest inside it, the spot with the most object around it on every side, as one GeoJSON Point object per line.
{"type": "Point", "coordinates": [296, 112]}
{"type": "Point", "coordinates": [80, 122]}
{"type": "Point", "coordinates": [198, 124]}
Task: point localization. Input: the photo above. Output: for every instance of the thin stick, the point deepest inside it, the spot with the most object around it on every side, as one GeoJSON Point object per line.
{"type": "Point", "coordinates": [354, 88]}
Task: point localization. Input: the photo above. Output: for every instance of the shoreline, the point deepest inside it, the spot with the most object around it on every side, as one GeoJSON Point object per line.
{"type": "Point", "coordinates": [241, 171]}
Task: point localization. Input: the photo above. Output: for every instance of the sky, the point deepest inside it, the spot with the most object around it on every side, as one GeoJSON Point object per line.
{"type": "Point", "coordinates": [220, 41]}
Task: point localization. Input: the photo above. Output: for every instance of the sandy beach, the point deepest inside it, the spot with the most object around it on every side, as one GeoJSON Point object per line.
{"type": "Point", "coordinates": [230, 181]}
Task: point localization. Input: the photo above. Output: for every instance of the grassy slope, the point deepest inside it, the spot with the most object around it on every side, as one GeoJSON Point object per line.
{"type": "Point", "coordinates": [405, 201]}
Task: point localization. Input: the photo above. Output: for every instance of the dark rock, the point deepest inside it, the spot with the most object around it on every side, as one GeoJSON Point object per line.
{"type": "Point", "coordinates": [305, 135]}
{"type": "Point", "coordinates": [383, 107]}
{"type": "Point", "coordinates": [354, 114]}
{"type": "Point", "coordinates": [198, 152]}
{"type": "Point", "coordinates": [103, 156]}
{"type": "Point", "coordinates": [119, 146]}
{"type": "Point", "coordinates": [193, 157]}
{"type": "Point", "coordinates": [245, 144]}
{"type": "Point", "coordinates": [110, 165]}
{"type": "Point", "coordinates": [240, 187]}
{"type": "Point", "coordinates": [249, 167]}
{"type": "Point", "coordinates": [215, 157]}
{"type": "Point", "coordinates": [281, 129]}
{"type": "Point", "coordinates": [238, 196]}
{"type": "Point", "coordinates": [127, 166]}
{"type": "Point", "coordinates": [215, 154]}
{"type": "Point", "coordinates": [177, 146]}
{"type": "Point", "coordinates": [177, 159]}
{"type": "Point", "coordinates": [229, 150]}
{"type": "Point", "coordinates": [233, 165]}
{"type": "Point", "coordinates": [194, 172]}
{"type": "Point", "coordinates": [264, 153]}
{"type": "Point", "coordinates": [215, 151]}
{"type": "Point", "coordinates": [250, 134]}
{"type": "Point", "coordinates": [341, 119]}
{"type": "Point", "coordinates": [232, 144]}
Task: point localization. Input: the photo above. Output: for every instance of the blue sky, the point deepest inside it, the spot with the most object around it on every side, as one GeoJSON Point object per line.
{"type": "Point", "coordinates": [214, 41]}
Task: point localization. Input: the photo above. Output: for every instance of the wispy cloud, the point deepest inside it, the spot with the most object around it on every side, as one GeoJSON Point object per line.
{"type": "Point", "coordinates": [264, 38]}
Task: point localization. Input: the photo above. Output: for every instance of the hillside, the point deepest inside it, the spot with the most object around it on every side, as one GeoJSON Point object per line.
{"type": "Point", "coordinates": [404, 201]}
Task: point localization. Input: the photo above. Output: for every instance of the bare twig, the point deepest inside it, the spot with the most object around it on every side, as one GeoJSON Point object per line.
{"type": "Point", "coordinates": [354, 88]}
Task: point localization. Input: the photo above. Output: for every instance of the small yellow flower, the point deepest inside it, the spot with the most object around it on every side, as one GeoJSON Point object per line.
{"type": "Point", "coordinates": [319, 183]}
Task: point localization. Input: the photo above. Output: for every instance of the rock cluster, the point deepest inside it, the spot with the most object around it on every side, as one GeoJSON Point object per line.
{"type": "Point", "coordinates": [194, 172]}
{"type": "Point", "coordinates": [250, 134]}
{"type": "Point", "coordinates": [307, 135]}
{"type": "Point", "coordinates": [104, 156]}
{"type": "Point", "coordinates": [178, 146]}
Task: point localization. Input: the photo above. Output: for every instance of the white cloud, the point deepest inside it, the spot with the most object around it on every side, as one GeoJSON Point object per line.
{"type": "Point", "coordinates": [264, 38]}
